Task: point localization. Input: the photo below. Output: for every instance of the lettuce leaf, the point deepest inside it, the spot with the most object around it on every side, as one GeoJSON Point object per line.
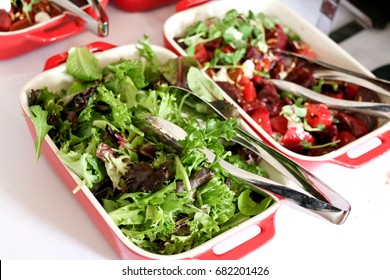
{"type": "Point", "coordinates": [83, 65]}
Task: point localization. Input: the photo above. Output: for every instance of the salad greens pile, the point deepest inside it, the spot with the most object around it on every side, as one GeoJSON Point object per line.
{"type": "Point", "coordinates": [165, 200]}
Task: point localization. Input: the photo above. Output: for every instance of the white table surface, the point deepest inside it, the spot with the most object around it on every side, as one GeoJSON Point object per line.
{"type": "Point", "coordinates": [40, 219]}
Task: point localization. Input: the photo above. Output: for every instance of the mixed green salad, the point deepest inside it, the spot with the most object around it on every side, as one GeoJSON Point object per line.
{"type": "Point", "coordinates": [165, 200]}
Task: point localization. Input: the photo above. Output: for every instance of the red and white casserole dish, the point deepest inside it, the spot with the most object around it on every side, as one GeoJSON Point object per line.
{"type": "Point", "coordinates": [141, 5]}
{"type": "Point", "coordinates": [18, 42]}
{"type": "Point", "coordinates": [232, 244]}
{"type": "Point", "coordinates": [351, 155]}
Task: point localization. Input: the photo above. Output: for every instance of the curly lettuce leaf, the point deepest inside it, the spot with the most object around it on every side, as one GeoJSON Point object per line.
{"type": "Point", "coordinates": [85, 165]}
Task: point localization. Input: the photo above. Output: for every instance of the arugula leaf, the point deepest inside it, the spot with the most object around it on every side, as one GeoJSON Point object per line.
{"type": "Point", "coordinates": [83, 65]}
{"type": "Point", "coordinates": [38, 118]}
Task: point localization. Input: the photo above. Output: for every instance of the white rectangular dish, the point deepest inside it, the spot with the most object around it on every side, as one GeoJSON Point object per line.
{"type": "Point", "coordinates": [352, 155]}
{"type": "Point", "coordinates": [232, 244]}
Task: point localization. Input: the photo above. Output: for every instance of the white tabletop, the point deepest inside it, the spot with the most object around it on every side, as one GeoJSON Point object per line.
{"type": "Point", "coordinates": [40, 219]}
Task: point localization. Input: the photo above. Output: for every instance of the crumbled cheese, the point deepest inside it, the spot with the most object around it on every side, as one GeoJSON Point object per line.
{"type": "Point", "coordinates": [5, 5]}
{"type": "Point", "coordinates": [237, 35]}
{"type": "Point", "coordinates": [41, 17]}
{"type": "Point", "coordinates": [248, 67]}
{"type": "Point", "coordinates": [262, 46]}
{"type": "Point", "coordinates": [221, 76]}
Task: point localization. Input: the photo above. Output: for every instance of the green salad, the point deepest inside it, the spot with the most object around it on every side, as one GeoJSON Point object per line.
{"type": "Point", "coordinates": [164, 200]}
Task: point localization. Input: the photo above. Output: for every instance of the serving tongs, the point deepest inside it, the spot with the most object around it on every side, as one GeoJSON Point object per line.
{"type": "Point", "coordinates": [369, 108]}
{"type": "Point", "coordinates": [326, 71]}
{"type": "Point", "coordinates": [320, 199]}
{"type": "Point", "coordinates": [98, 26]}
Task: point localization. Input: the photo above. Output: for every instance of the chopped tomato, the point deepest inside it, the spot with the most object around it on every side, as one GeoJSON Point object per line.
{"type": "Point", "coordinates": [351, 91]}
{"type": "Point", "coordinates": [249, 92]}
{"type": "Point", "coordinates": [227, 49]}
{"type": "Point", "coordinates": [201, 53]}
{"type": "Point", "coordinates": [345, 138]}
{"type": "Point", "coordinates": [238, 76]}
{"type": "Point", "coordinates": [264, 64]}
{"type": "Point", "coordinates": [294, 136]}
{"type": "Point", "coordinates": [338, 95]}
{"type": "Point", "coordinates": [279, 124]}
{"type": "Point", "coordinates": [261, 116]}
{"type": "Point", "coordinates": [318, 114]}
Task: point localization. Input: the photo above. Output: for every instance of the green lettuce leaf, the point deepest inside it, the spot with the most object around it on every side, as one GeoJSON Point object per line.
{"type": "Point", "coordinates": [83, 65]}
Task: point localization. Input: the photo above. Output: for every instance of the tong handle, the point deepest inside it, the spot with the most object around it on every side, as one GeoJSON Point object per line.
{"type": "Point", "coordinates": [369, 108]}
{"type": "Point", "coordinates": [259, 184]}
{"type": "Point", "coordinates": [98, 26]}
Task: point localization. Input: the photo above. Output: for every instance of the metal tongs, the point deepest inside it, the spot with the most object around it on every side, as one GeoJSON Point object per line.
{"type": "Point", "coordinates": [369, 108]}
{"type": "Point", "coordinates": [98, 26]}
{"type": "Point", "coordinates": [323, 70]}
{"type": "Point", "coordinates": [321, 198]}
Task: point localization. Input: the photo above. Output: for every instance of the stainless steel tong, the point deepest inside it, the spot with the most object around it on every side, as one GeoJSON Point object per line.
{"type": "Point", "coordinates": [321, 198]}
{"type": "Point", "coordinates": [173, 133]}
{"type": "Point", "coordinates": [369, 108]}
{"type": "Point", "coordinates": [98, 26]}
{"type": "Point", "coordinates": [327, 71]}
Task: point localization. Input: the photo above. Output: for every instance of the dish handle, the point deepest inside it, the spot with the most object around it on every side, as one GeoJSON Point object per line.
{"type": "Point", "coordinates": [56, 30]}
{"type": "Point", "coordinates": [60, 58]}
{"type": "Point", "coordinates": [186, 4]}
{"type": "Point", "coordinates": [243, 242]}
{"type": "Point", "coordinates": [364, 152]}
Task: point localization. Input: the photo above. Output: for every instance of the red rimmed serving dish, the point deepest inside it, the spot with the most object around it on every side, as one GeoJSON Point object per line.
{"type": "Point", "coordinates": [141, 5]}
{"type": "Point", "coordinates": [232, 244]}
{"type": "Point", "coordinates": [352, 155]}
{"type": "Point", "coordinates": [18, 42]}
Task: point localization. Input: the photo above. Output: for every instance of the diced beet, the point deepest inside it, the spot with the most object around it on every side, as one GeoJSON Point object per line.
{"type": "Point", "coordinates": [301, 76]}
{"type": "Point", "coordinates": [276, 38]}
{"type": "Point", "coordinates": [233, 91]}
{"type": "Point", "coordinates": [269, 96]}
{"type": "Point", "coordinates": [352, 124]}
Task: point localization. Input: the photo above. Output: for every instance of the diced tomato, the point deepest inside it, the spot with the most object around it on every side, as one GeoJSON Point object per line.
{"type": "Point", "coordinates": [303, 49]}
{"type": "Point", "coordinates": [294, 136]}
{"type": "Point", "coordinates": [351, 91]}
{"type": "Point", "coordinates": [261, 116]}
{"type": "Point", "coordinates": [279, 124]}
{"type": "Point", "coordinates": [318, 114]}
{"type": "Point", "coordinates": [238, 76]}
{"type": "Point", "coordinates": [5, 21]}
{"type": "Point", "coordinates": [345, 138]}
{"type": "Point", "coordinates": [201, 53]}
{"type": "Point", "coordinates": [264, 64]}
{"type": "Point", "coordinates": [337, 95]}
{"type": "Point", "coordinates": [227, 49]}
{"type": "Point", "coordinates": [249, 92]}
